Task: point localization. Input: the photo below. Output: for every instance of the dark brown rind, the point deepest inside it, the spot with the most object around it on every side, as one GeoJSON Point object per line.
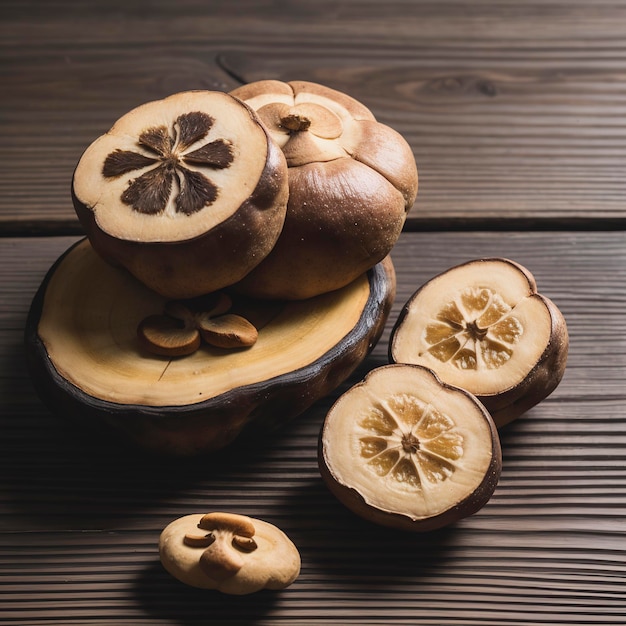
{"type": "Point", "coordinates": [213, 424]}
{"type": "Point", "coordinates": [543, 379]}
{"type": "Point", "coordinates": [215, 259]}
{"type": "Point", "coordinates": [353, 500]}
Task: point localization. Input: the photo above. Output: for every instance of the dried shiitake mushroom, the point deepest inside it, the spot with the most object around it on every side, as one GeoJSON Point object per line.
{"type": "Point", "coordinates": [483, 326]}
{"type": "Point", "coordinates": [352, 181]}
{"type": "Point", "coordinates": [234, 554]}
{"type": "Point", "coordinates": [188, 193]}
{"type": "Point", "coordinates": [403, 449]}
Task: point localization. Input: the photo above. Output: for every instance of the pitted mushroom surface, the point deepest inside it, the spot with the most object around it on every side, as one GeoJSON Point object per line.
{"type": "Point", "coordinates": [231, 553]}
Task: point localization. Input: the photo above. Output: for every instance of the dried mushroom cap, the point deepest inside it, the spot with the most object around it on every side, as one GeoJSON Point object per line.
{"type": "Point", "coordinates": [147, 179]}
{"type": "Point", "coordinates": [232, 553]}
{"type": "Point", "coordinates": [313, 123]}
{"type": "Point", "coordinates": [483, 326]}
{"type": "Point", "coordinates": [402, 449]}
{"type": "Point", "coordinates": [351, 180]}
{"type": "Point", "coordinates": [173, 172]}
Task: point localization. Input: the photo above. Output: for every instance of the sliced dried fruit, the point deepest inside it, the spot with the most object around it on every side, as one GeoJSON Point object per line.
{"type": "Point", "coordinates": [402, 449]}
{"type": "Point", "coordinates": [188, 193]}
{"type": "Point", "coordinates": [232, 553]}
{"type": "Point", "coordinates": [184, 323]}
{"type": "Point", "coordinates": [352, 181]}
{"type": "Point", "coordinates": [483, 326]}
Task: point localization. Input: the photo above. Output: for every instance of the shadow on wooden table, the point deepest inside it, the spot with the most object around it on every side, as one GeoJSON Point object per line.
{"type": "Point", "coordinates": [165, 598]}
{"type": "Point", "coordinates": [51, 469]}
{"type": "Point", "coordinates": [57, 479]}
{"type": "Point", "coordinates": [342, 556]}
{"type": "Point", "coordinates": [60, 470]}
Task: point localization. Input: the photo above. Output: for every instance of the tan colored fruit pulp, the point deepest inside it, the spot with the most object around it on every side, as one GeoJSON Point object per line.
{"type": "Point", "coordinates": [476, 330]}
{"type": "Point", "coordinates": [407, 444]}
{"type": "Point", "coordinates": [410, 442]}
{"type": "Point", "coordinates": [481, 326]}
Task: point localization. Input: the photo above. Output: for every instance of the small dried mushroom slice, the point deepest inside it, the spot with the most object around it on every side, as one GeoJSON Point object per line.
{"type": "Point", "coordinates": [483, 326]}
{"type": "Point", "coordinates": [188, 193]}
{"type": "Point", "coordinates": [179, 331]}
{"type": "Point", "coordinates": [231, 553]}
{"type": "Point", "coordinates": [402, 449]}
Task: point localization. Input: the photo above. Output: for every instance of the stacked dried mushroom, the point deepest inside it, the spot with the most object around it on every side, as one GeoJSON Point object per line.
{"type": "Point", "coordinates": [197, 192]}
{"type": "Point", "coordinates": [210, 239]}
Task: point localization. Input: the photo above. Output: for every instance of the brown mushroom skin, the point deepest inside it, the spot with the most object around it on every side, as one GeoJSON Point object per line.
{"type": "Point", "coordinates": [214, 259]}
{"type": "Point", "coordinates": [544, 378]}
{"type": "Point", "coordinates": [348, 195]}
{"type": "Point", "coordinates": [352, 500]}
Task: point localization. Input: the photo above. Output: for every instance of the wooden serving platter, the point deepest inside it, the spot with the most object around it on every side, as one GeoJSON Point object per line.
{"type": "Point", "coordinates": [88, 365]}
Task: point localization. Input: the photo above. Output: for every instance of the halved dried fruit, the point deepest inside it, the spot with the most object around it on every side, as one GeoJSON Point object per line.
{"type": "Point", "coordinates": [188, 193]}
{"type": "Point", "coordinates": [352, 181]}
{"type": "Point", "coordinates": [402, 449]}
{"type": "Point", "coordinates": [483, 326]}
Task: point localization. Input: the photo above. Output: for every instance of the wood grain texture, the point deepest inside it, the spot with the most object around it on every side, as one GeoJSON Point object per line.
{"type": "Point", "coordinates": [79, 519]}
{"type": "Point", "coordinates": [514, 110]}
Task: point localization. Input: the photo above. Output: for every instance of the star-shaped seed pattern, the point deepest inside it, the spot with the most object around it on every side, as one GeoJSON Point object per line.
{"type": "Point", "coordinates": [476, 330]}
{"type": "Point", "coordinates": [167, 156]}
{"type": "Point", "coordinates": [184, 324]}
{"type": "Point", "coordinates": [410, 442]}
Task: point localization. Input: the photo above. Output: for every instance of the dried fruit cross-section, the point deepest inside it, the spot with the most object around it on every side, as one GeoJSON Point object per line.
{"type": "Point", "coordinates": [404, 450]}
{"type": "Point", "coordinates": [483, 326]}
{"type": "Point", "coordinates": [189, 193]}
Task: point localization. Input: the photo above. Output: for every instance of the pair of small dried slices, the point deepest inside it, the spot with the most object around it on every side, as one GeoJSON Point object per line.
{"type": "Point", "coordinates": [295, 181]}
{"type": "Point", "coordinates": [415, 445]}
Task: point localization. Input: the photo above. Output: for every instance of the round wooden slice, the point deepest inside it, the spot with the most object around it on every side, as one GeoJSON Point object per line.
{"type": "Point", "coordinates": [88, 365]}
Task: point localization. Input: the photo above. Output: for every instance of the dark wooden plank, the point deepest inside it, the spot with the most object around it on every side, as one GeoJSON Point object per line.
{"type": "Point", "coordinates": [513, 110]}
{"type": "Point", "coordinates": [79, 521]}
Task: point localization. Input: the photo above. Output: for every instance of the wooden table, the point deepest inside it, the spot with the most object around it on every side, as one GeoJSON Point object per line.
{"type": "Point", "coordinates": [514, 111]}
